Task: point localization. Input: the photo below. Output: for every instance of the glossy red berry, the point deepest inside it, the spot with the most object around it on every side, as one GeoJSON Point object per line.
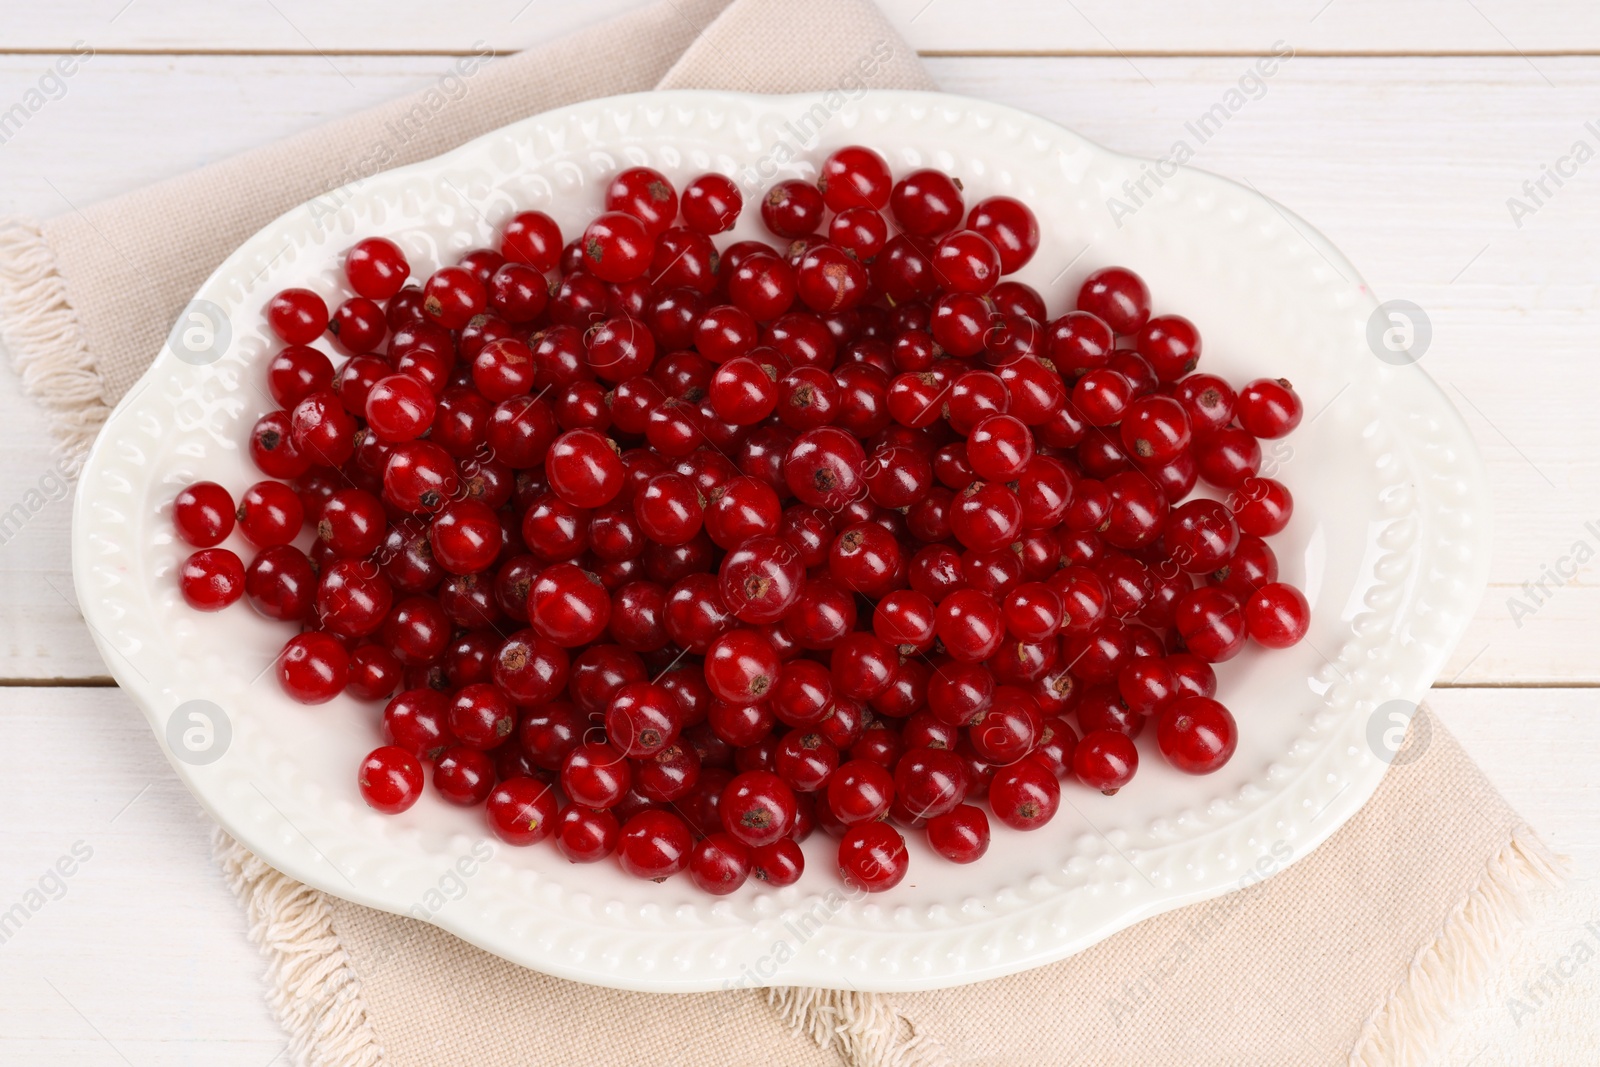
{"type": "Point", "coordinates": [720, 863]}
{"type": "Point", "coordinates": [313, 667]}
{"type": "Point", "coordinates": [1211, 623]}
{"type": "Point", "coordinates": [211, 579]}
{"type": "Point", "coordinates": [523, 811]}
{"type": "Point", "coordinates": [465, 536]}
{"type": "Point", "coordinates": [270, 514]}
{"type": "Point", "coordinates": [390, 779]}
{"type": "Point", "coordinates": [596, 775]}
{"type": "Point", "coordinates": [757, 808]}
{"type": "Point", "coordinates": [1171, 344]}
{"type": "Point", "coordinates": [654, 845]}
{"type": "Point", "coordinates": [1197, 735]}
{"type": "Point", "coordinates": [376, 268]}
{"type": "Point", "coordinates": [1011, 227]}
{"type": "Point", "coordinates": [741, 667]}
{"type": "Point", "coordinates": [298, 316]}
{"type": "Point", "coordinates": [534, 238]}
{"type": "Point", "coordinates": [1105, 760]}
{"type": "Point", "coordinates": [966, 262]}
{"type": "Point", "coordinates": [711, 204]}
{"type": "Point", "coordinates": [960, 835]}
{"type": "Point", "coordinates": [1262, 506]}
{"type": "Point", "coordinates": [1025, 795]}
{"type": "Point", "coordinates": [586, 835]}
{"type": "Point", "coordinates": [927, 203]}
{"type": "Point", "coordinates": [641, 719]}
{"type": "Point", "coordinates": [1268, 407]}
{"type": "Point", "coordinates": [792, 208]}
{"type": "Point", "coordinates": [584, 468]}
{"type": "Point", "coordinates": [203, 514]}
{"type": "Point", "coordinates": [617, 247]}
{"type": "Point", "coordinates": [873, 857]}
{"type": "Point", "coordinates": [1277, 615]}
{"type": "Point", "coordinates": [855, 177]}
{"type": "Point", "coordinates": [1117, 296]}
{"type": "Point", "coordinates": [568, 605]}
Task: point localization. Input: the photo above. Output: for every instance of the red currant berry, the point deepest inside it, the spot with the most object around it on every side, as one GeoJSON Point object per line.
{"type": "Point", "coordinates": [719, 864]}
{"type": "Point", "coordinates": [873, 857]}
{"type": "Point", "coordinates": [929, 782]}
{"type": "Point", "coordinates": [568, 605]}
{"type": "Point", "coordinates": [669, 509]}
{"type": "Point", "coordinates": [641, 719]}
{"type": "Point", "coordinates": [1105, 760]}
{"type": "Point", "coordinates": [465, 536]}
{"type": "Point", "coordinates": [617, 247]}
{"type": "Point", "coordinates": [1171, 344]}
{"type": "Point", "coordinates": [1155, 429]}
{"type": "Point", "coordinates": [741, 667]}
{"type": "Point", "coordinates": [1262, 506]}
{"type": "Point", "coordinates": [654, 845]}
{"type": "Point", "coordinates": [792, 208]}
{"type": "Point", "coordinates": [203, 514]}
{"type": "Point", "coordinates": [298, 316]}
{"type": "Point", "coordinates": [376, 268]}
{"type": "Point", "coordinates": [586, 835]}
{"type": "Point", "coordinates": [855, 177]}
{"type": "Point", "coordinates": [966, 262]}
{"type": "Point", "coordinates": [211, 579]}
{"type": "Point", "coordinates": [927, 203]}
{"type": "Point", "coordinates": [711, 204]}
{"type": "Point", "coordinates": [281, 584]}
{"type": "Point", "coordinates": [596, 775]}
{"type": "Point", "coordinates": [778, 864]}
{"type": "Point", "coordinates": [481, 716]}
{"type": "Point", "coordinates": [1207, 399]}
{"type": "Point", "coordinates": [1025, 794]}
{"type": "Point", "coordinates": [962, 834]}
{"type": "Point", "coordinates": [390, 779]}
{"type": "Point", "coordinates": [1011, 227]}
{"type": "Point", "coordinates": [584, 469]}
{"type": "Point", "coordinates": [358, 326]}
{"type": "Point", "coordinates": [313, 668]}
{"type": "Point", "coordinates": [757, 808]}
{"type": "Point", "coordinates": [828, 280]}
{"type": "Point", "coordinates": [270, 514]}
{"type": "Point", "coordinates": [647, 195]}
{"type": "Point", "coordinates": [1268, 407]}
{"type": "Point", "coordinates": [1200, 535]}
{"type": "Point", "coordinates": [999, 448]}
{"type": "Point", "coordinates": [522, 811]}
{"type": "Point", "coordinates": [1118, 296]}
{"type": "Point", "coordinates": [1278, 615]}
{"type": "Point", "coordinates": [1211, 623]}
{"type": "Point", "coordinates": [532, 238]}
{"type": "Point", "coordinates": [297, 372]}
{"type": "Point", "coordinates": [1197, 735]}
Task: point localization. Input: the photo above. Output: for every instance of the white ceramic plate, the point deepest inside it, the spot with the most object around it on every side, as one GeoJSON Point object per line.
{"type": "Point", "coordinates": [1389, 540]}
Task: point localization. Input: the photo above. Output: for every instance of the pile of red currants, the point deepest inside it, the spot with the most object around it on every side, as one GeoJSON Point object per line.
{"type": "Point", "coordinates": [678, 552]}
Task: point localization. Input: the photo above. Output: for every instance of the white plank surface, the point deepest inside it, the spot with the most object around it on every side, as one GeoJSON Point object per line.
{"type": "Point", "coordinates": [1092, 27]}
{"type": "Point", "coordinates": [1405, 162]}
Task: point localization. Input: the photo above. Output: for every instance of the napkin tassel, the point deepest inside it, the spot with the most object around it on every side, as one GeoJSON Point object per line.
{"type": "Point", "coordinates": [312, 988]}
{"type": "Point", "coordinates": [46, 344]}
{"type": "Point", "coordinates": [1410, 1026]}
{"type": "Point", "coordinates": [866, 1029]}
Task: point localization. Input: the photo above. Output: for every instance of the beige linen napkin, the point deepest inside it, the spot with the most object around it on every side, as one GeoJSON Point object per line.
{"type": "Point", "coordinates": [1356, 953]}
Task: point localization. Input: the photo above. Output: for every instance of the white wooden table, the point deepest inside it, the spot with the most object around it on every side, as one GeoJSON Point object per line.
{"type": "Point", "coordinates": [1401, 131]}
